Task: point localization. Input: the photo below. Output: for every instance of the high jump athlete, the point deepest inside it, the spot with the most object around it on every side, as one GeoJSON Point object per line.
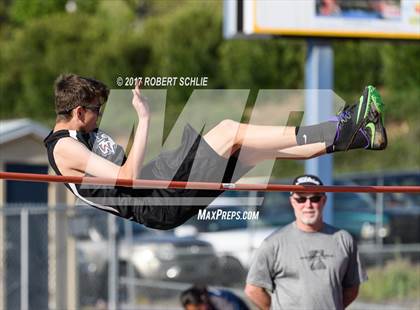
{"type": "Point", "coordinates": [74, 149]}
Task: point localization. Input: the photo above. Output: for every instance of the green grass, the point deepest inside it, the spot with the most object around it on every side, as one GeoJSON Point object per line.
{"type": "Point", "coordinates": [399, 280]}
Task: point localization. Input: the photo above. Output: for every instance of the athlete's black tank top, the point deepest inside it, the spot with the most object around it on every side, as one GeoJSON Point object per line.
{"type": "Point", "coordinates": [104, 146]}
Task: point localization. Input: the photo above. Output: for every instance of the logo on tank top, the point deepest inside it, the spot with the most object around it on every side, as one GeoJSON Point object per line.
{"type": "Point", "coordinates": [316, 259]}
{"type": "Point", "coordinates": [105, 144]}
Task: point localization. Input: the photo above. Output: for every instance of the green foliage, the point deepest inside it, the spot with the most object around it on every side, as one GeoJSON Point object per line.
{"type": "Point", "coordinates": [357, 64]}
{"type": "Point", "coordinates": [402, 66]}
{"type": "Point", "coordinates": [402, 104]}
{"type": "Point", "coordinates": [77, 43]}
{"type": "Point", "coordinates": [24, 10]}
{"type": "Point", "coordinates": [159, 8]}
{"type": "Point", "coordinates": [179, 51]}
{"type": "Point", "coordinates": [262, 64]}
{"type": "Point", "coordinates": [3, 12]}
{"type": "Point", "coordinates": [31, 63]}
{"type": "Point", "coordinates": [399, 280]}
{"type": "Point", "coordinates": [21, 11]}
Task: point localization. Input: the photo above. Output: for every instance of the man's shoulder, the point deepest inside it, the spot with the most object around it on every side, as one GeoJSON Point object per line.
{"type": "Point", "coordinates": [337, 231]}
{"type": "Point", "coordinates": [339, 234]}
{"type": "Point", "coordinates": [280, 233]}
{"type": "Point", "coordinates": [67, 141]}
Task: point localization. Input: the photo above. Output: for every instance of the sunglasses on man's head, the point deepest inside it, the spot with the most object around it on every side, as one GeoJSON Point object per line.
{"type": "Point", "coordinates": [302, 199]}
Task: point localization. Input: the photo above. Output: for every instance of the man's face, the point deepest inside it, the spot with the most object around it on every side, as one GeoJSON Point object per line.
{"type": "Point", "coordinates": [308, 207]}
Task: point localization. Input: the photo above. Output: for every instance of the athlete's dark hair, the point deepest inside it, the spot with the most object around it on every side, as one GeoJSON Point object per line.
{"type": "Point", "coordinates": [196, 295]}
{"type": "Point", "coordinates": [71, 91]}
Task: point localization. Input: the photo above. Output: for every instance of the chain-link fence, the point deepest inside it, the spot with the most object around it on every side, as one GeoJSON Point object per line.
{"type": "Point", "coordinates": [75, 258]}
{"type": "Point", "coordinates": [25, 258]}
{"type": "Point", "coordinates": [80, 258]}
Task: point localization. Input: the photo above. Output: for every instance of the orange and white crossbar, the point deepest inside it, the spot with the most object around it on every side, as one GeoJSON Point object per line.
{"type": "Point", "coordinates": [205, 185]}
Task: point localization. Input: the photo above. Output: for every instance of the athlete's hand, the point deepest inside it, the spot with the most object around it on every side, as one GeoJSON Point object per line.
{"type": "Point", "coordinates": [140, 103]}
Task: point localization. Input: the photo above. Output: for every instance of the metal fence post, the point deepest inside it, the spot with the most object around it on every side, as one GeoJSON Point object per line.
{"type": "Point", "coordinates": [131, 289]}
{"type": "Point", "coordinates": [24, 259]}
{"type": "Point", "coordinates": [113, 263]}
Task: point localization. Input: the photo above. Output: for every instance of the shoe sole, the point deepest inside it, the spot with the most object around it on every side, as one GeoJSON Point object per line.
{"type": "Point", "coordinates": [378, 138]}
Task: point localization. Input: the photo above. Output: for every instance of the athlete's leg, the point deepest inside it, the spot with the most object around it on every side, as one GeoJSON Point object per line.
{"type": "Point", "coordinates": [357, 126]}
{"type": "Point", "coordinates": [302, 151]}
{"type": "Point", "coordinates": [251, 156]}
{"type": "Point", "coordinates": [226, 137]}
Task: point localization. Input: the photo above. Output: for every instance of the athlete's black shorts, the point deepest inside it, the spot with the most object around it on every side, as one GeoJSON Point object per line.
{"type": "Point", "coordinates": [194, 160]}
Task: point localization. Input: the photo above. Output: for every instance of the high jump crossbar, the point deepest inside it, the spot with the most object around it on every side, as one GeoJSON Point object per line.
{"type": "Point", "coordinates": [139, 183]}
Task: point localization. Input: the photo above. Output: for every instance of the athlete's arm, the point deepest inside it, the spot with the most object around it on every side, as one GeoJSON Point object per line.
{"type": "Point", "coordinates": [132, 167]}
{"type": "Point", "coordinates": [349, 295]}
{"type": "Point", "coordinates": [258, 296]}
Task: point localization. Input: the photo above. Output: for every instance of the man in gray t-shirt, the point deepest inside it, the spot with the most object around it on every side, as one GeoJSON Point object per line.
{"type": "Point", "coordinates": [307, 264]}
